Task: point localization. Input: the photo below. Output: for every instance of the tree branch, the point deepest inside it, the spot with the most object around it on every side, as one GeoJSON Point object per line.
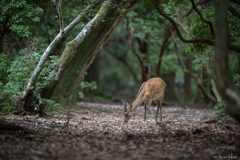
{"type": "Point", "coordinates": [38, 69]}
{"type": "Point", "coordinates": [130, 32]}
{"type": "Point", "coordinates": [161, 53]}
{"type": "Point", "coordinates": [214, 87]}
{"type": "Point", "coordinates": [203, 18]}
{"type": "Point", "coordinates": [234, 11]}
{"type": "Point", "coordinates": [186, 71]}
{"type": "Point", "coordinates": [180, 23]}
{"type": "Point", "coordinates": [198, 3]}
{"type": "Point", "coordinates": [205, 41]}
{"type": "Point", "coordinates": [236, 1]}
{"type": "Point", "coordinates": [18, 18]}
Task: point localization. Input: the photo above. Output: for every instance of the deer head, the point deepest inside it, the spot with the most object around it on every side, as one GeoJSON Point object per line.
{"type": "Point", "coordinates": [127, 111]}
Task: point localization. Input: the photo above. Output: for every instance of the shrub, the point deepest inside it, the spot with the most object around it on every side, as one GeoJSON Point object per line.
{"type": "Point", "coordinates": [220, 111]}
{"type": "Point", "coordinates": [19, 73]}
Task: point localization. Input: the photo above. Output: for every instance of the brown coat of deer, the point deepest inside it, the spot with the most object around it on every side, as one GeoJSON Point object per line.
{"type": "Point", "coordinates": [152, 90]}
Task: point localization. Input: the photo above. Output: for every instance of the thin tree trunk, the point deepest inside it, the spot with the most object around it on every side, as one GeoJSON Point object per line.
{"type": "Point", "coordinates": [144, 50]}
{"type": "Point", "coordinates": [201, 86]}
{"type": "Point", "coordinates": [187, 82]}
{"type": "Point", "coordinates": [213, 84]}
{"type": "Point", "coordinates": [130, 32]}
{"type": "Point", "coordinates": [224, 80]}
{"type": "Point", "coordinates": [93, 71]}
{"type": "Point", "coordinates": [5, 27]}
{"type": "Point", "coordinates": [164, 45]}
{"type": "Point", "coordinates": [170, 91]}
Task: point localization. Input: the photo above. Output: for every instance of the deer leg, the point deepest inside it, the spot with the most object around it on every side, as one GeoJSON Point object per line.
{"type": "Point", "coordinates": [158, 105]}
{"type": "Point", "coordinates": [149, 105]}
{"type": "Point", "coordinates": [145, 107]}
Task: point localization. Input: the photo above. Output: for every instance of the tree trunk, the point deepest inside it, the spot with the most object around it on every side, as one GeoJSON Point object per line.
{"type": "Point", "coordinates": [167, 34]}
{"type": "Point", "coordinates": [170, 90]}
{"type": "Point", "coordinates": [130, 40]}
{"type": "Point", "coordinates": [224, 80]}
{"type": "Point", "coordinates": [80, 52]}
{"type": "Point", "coordinates": [186, 71]}
{"type": "Point", "coordinates": [143, 47]}
{"type": "Point", "coordinates": [27, 95]}
{"type": "Point", "coordinates": [187, 82]}
{"type": "Point", "coordinates": [93, 71]}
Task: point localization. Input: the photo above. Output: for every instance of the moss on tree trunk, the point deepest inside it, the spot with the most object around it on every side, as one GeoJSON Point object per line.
{"type": "Point", "coordinates": [80, 53]}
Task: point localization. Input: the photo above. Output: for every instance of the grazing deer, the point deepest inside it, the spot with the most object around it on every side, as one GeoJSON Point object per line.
{"type": "Point", "coordinates": [152, 90]}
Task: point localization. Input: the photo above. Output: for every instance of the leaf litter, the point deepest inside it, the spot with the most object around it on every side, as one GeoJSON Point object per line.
{"type": "Point", "coordinates": [93, 131]}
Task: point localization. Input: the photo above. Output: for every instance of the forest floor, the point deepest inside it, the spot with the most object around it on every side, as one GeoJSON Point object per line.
{"type": "Point", "coordinates": [92, 131]}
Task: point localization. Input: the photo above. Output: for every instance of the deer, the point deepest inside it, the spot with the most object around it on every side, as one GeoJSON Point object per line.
{"type": "Point", "coordinates": [151, 90]}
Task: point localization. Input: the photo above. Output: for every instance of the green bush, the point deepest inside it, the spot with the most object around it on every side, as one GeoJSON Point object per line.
{"type": "Point", "coordinates": [220, 111]}
{"type": "Point", "coordinates": [86, 86]}
{"type": "Point", "coordinates": [19, 73]}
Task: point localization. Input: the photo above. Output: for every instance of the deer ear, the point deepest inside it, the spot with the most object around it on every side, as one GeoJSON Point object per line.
{"type": "Point", "coordinates": [123, 102]}
{"type": "Point", "coordinates": [126, 102]}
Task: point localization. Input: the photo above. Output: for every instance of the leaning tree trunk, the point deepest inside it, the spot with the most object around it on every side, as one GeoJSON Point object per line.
{"type": "Point", "coordinates": [224, 81]}
{"type": "Point", "coordinates": [27, 95]}
{"type": "Point", "coordinates": [80, 52]}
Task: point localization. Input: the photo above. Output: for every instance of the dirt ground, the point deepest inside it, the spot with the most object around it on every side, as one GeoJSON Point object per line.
{"type": "Point", "coordinates": [93, 131]}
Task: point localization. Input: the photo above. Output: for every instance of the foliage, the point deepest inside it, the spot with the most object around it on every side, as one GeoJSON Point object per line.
{"type": "Point", "coordinates": [220, 111]}
{"type": "Point", "coordinates": [20, 71]}
{"type": "Point", "coordinates": [152, 1]}
{"type": "Point", "coordinates": [51, 106]}
{"type": "Point", "coordinates": [86, 86]}
{"type": "Point", "coordinates": [6, 110]}
{"type": "Point", "coordinates": [20, 15]}
{"type": "Point", "coordinates": [203, 58]}
{"type": "Point", "coordinates": [5, 61]}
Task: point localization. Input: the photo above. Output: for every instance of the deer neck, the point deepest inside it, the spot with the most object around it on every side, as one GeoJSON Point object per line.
{"type": "Point", "coordinates": [136, 103]}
